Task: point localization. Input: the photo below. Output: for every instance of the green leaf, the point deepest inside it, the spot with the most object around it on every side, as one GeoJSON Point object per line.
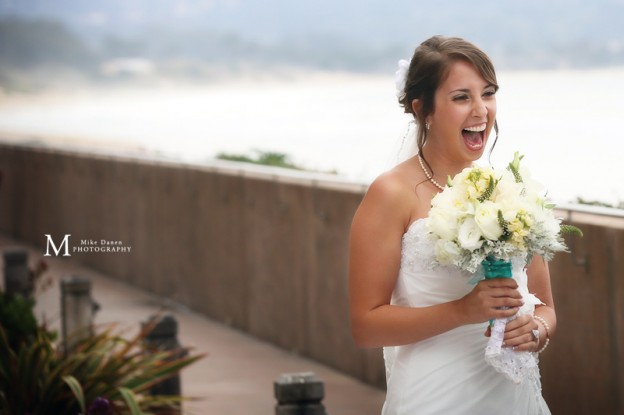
{"type": "Point", "coordinates": [131, 401]}
{"type": "Point", "coordinates": [106, 364]}
{"type": "Point", "coordinates": [449, 181]}
{"type": "Point", "coordinates": [571, 229]}
{"type": "Point", "coordinates": [156, 373]}
{"type": "Point", "coordinates": [76, 389]}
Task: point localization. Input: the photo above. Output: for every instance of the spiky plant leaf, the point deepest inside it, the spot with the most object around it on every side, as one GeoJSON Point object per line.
{"type": "Point", "coordinates": [130, 400]}
{"type": "Point", "coordinates": [503, 224]}
{"type": "Point", "coordinates": [571, 229]}
{"type": "Point", "coordinates": [39, 378]}
{"type": "Point", "coordinates": [76, 389]}
{"type": "Point", "coordinates": [488, 192]}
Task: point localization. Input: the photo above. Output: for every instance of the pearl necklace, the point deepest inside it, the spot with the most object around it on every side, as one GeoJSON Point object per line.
{"type": "Point", "coordinates": [429, 177]}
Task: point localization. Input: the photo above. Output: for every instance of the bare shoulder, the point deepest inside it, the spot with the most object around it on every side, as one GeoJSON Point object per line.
{"type": "Point", "coordinates": [391, 186]}
{"type": "Point", "coordinates": [392, 197]}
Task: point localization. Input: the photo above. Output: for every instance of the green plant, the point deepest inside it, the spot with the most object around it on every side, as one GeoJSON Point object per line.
{"type": "Point", "coordinates": [582, 201]}
{"type": "Point", "coordinates": [266, 158]}
{"type": "Point", "coordinates": [36, 377]}
{"type": "Point", "coordinates": [17, 320]}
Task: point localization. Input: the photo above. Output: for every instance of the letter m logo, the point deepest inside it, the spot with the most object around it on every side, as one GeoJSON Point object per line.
{"type": "Point", "coordinates": [56, 250]}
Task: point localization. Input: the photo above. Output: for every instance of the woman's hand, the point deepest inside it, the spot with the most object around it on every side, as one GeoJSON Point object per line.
{"type": "Point", "coordinates": [519, 334]}
{"type": "Point", "coordinates": [491, 299]}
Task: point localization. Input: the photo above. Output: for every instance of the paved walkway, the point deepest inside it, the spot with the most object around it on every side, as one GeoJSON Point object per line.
{"type": "Point", "coordinates": [236, 378]}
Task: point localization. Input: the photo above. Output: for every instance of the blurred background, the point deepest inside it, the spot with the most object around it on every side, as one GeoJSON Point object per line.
{"type": "Point", "coordinates": [310, 81]}
{"type": "Point", "coordinates": [122, 120]}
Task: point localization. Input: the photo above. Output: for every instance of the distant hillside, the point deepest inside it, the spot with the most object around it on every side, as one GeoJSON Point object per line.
{"type": "Point", "coordinates": [195, 37]}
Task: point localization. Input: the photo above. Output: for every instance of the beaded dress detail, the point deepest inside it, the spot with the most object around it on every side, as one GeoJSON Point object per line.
{"type": "Point", "coordinates": [448, 373]}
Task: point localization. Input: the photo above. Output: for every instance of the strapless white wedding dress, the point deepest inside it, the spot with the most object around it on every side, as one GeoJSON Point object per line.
{"type": "Point", "coordinates": [447, 374]}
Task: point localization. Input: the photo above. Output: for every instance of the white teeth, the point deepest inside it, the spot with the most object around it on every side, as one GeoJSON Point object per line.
{"type": "Point", "coordinates": [477, 128]}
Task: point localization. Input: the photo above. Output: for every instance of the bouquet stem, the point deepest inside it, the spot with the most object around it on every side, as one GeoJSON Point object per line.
{"type": "Point", "coordinates": [496, 268]}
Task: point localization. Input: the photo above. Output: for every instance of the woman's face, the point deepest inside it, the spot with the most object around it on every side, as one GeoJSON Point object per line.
{"type": "Point", "coordinates": [464, 114]}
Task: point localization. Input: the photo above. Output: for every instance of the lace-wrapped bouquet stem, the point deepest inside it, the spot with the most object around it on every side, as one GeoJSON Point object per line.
{"type": "Point", "coordinates": [515, 365]}
{"type": "Point", "coordinates": [484, 220]}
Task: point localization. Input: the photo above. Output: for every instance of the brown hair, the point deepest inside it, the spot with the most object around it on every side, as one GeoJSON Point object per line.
{"type": "Point", "coordinates": [429, 68]}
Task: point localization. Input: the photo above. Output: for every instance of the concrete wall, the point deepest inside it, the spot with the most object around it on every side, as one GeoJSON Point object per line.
{"type": "Point", "coordinates": [267, 253]}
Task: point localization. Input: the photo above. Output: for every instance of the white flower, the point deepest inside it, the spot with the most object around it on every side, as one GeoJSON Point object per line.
{"type": "Point", "coordinates": [486, 218]}
{"type": "Point", "coordinates": [448, 209]}
{"type": "Point", "coordinates": [400, 77]}
{"type": "Point", "coordinates": [443, 223]}
{"type": "Point", "coordinates": [545, 217]}
{"type": "Point", "coordinates": [446, 251]}
{"type": "Point", "coordinates": [469, 235]}
{"type": "Point", "coordinates": [508, 189]}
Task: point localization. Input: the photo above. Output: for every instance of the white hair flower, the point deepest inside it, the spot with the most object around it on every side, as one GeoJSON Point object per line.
{"type": "Point", "coordinates": [400, 77]}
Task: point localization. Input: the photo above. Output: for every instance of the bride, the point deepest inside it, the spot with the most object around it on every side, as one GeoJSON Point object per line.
{"type": "Point", "coordinates": [430, 321]}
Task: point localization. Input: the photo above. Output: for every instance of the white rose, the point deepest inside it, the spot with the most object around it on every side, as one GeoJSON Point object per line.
{"type": "Point", "coordinates": [443, 199]}
{"type": "Point", "coordinates": [486, 218]}
{"type": "Point", "coordinates": [469, 235]}
{"type": "Point", "coordinates": [460, 184]}
{"type": "Point", "coordinates": [446, 251]}
{"type": "Point", "coordinates": [453, 200]}
{"type": "Point", "coordinates": [445, 214]}
{"type": "Point", "coordinates": [443, 223]}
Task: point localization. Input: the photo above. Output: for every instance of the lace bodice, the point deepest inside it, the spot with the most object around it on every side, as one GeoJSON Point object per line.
{"type": "Point", "coordinates": [419, 284]}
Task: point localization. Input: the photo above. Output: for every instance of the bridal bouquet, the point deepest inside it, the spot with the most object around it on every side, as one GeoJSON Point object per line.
{"type": "Point", "coordinates": [482, 220]}
{"type": "Point", "coordinates": [484, 212]}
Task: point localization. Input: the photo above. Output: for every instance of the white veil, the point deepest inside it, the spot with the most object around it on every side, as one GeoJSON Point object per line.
{"type": "Point", "coordinates": [405, 147]}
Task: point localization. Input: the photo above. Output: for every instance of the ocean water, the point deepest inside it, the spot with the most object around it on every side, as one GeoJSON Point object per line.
{"type": "Point", "coordinates": [565, 122]}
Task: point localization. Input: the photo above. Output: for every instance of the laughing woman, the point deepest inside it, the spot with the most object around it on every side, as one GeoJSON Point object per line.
{"type": "Point", "coordinates": [430, 321]}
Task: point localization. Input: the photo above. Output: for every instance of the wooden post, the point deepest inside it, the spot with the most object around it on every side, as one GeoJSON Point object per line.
{"type": "Point", "coordinates": [299, 394]}
{"type": "Point", "coordinates": [77, 310]}
{"type": "Point", "coordinates": [164, 337]}
{"type": "Point", "coordinates": [17, 278]}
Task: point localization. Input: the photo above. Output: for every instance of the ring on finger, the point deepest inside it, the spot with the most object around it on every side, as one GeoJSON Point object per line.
{"type": "Point", "coordinates": [536, 335]}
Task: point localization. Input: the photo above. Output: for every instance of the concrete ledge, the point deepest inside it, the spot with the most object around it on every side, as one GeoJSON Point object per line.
{"type": "Point", "coordinates": [226, 167]}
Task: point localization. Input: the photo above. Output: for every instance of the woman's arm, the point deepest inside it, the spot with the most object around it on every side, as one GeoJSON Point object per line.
{"type": "Point", "coordinates": [374, 259]}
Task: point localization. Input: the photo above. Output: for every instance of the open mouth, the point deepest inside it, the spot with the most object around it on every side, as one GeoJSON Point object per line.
{"type": "Point", "coordinates": [474, 137]}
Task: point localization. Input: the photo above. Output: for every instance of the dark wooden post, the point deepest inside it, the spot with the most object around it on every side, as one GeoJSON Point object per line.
{"type": "Point", "coordinates": [164, 337]}
{"type": "Point", "coordinates": [77, 310]}
{"type": "Point", "coordinates": [17, 278]}
{"type": "Point", "coordinates": [299, 394]}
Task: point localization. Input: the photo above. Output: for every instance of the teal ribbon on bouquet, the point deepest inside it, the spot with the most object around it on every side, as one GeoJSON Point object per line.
{"type": "Point", "coordinates": [492, 268]}
{"type": "Point", "coordinates": [496, 268]}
